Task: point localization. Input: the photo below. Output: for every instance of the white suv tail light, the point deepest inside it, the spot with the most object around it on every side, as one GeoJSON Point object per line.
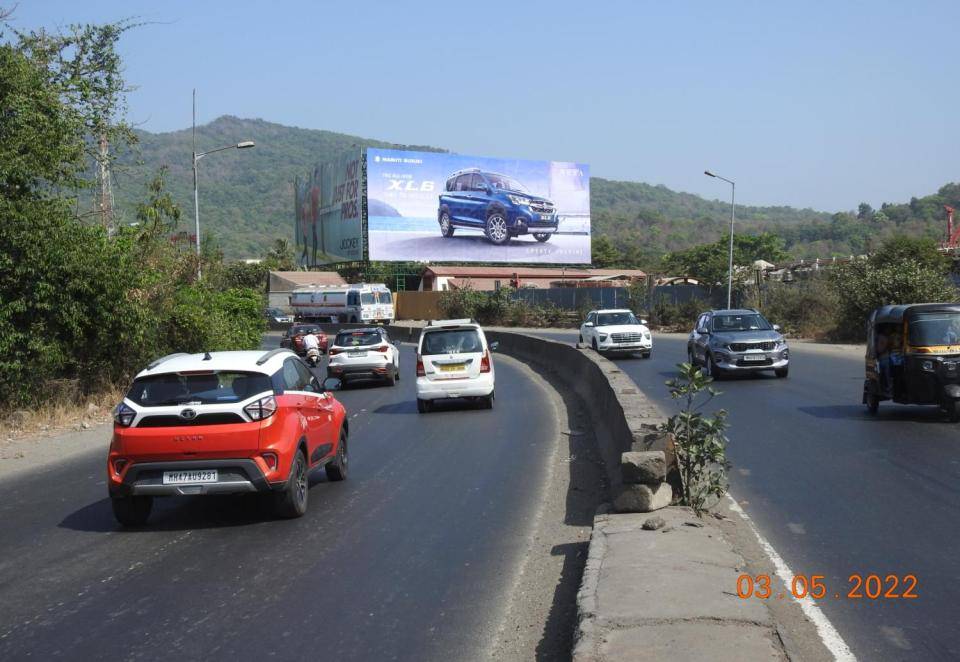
{"type": "Point", "coordinates": [262, 408]}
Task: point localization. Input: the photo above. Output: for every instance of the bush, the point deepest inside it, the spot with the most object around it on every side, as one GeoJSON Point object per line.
{"type": "Point", "coordinates": [862, 285]}
{"type": "Point", "coordinates": [678, 315]}
{"type": "Point", "coordinates": [806, 308]}
{"type": "Point", "coordinates": [699, 440]}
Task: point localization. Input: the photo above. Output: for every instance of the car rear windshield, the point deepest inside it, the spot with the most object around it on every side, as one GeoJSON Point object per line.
{"type": "Point", "coordinates": [357, 339]}
{"type": "Point", "coordinates": [749, 322]}
{"type": "Point", "coordinates": [616, 319]}
{"type": "Point", "coordinates": [452, 341]}
{"type": "Point", "coordinates": [197, 388]}
{"type": "Point", "coordinates": [304, 330]}
{"type": "Point", "coordinates": [931, 329]}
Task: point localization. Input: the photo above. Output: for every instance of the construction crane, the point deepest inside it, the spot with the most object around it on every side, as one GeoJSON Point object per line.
{"type": "Point", "coordinates": [953, 233]}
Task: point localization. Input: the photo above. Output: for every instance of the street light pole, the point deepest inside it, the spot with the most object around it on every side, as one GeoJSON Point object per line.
{"type": "Point", "coordinates": [733, 213]}
{"type": "Point", "coordinates": [196, 159]}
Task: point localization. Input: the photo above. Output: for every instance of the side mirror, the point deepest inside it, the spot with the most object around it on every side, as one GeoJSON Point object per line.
{"type": "Point", "coordinates": [494, 345]}
{"type": "Point", "coordinates": [332, 384]}
{"type": "Point", "coordinates": [704, 330]}
{"type": "Point", "coordinates": [590, 324]}
{"type": "Point", "coordinates": [776, 327]}
{"type": "Point", "coordinates": [643, 322]}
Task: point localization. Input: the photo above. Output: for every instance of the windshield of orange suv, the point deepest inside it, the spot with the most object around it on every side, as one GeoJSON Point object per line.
{"type": "Point", "coordinates": [197, 388]}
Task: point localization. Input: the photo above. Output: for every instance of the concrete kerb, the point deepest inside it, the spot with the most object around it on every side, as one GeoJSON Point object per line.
{"type": "Point", "coordinates": [644, 595]}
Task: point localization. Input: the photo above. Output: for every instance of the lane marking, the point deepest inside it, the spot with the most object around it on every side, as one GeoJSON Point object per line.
{"type": "Point", "coordinates": [828, 634]}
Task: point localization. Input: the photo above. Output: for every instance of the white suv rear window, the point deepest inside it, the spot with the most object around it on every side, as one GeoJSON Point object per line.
{"type": "Point", "coordinates": [452, 341]}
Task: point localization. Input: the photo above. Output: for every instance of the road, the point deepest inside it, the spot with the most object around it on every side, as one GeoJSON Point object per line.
{"type": "Point", "coordinates": [411, 558]}
{"type": "Point", "coordinates": [838, 492]}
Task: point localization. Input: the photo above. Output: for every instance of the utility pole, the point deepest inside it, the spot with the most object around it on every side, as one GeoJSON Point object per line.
{"type": "Point", "coordinates": [105, 203]}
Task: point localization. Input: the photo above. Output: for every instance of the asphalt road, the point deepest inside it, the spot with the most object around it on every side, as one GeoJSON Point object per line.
{"type": "Point", "coordinates": [838, 492]}
{"type": "Point", "coordinates": [410, 558]}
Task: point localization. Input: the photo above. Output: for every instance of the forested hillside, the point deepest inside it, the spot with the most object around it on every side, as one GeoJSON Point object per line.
{"type": "Point", "coordinates": [246, 198]}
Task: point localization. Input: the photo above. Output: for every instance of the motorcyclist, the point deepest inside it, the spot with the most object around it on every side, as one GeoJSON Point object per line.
{"type": "Point", "coordinates": [311, 346]}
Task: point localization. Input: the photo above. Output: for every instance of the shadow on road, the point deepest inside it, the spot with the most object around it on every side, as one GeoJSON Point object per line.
{"type": "Point", "coordinates": [887, 414]}
{"type": "Point", "coordinates": [563, 611]}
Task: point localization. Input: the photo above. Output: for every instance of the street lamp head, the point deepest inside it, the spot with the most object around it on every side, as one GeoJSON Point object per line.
{"type": "Point", "coordinates": [245, 144]}
{"type": "Point", "coordinates": [708, 173]}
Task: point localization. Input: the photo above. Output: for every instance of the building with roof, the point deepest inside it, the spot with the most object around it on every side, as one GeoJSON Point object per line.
{"type": "Point", "coordinates": [440, 278]}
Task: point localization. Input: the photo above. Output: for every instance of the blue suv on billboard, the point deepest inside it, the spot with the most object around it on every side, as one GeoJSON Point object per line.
{"type": "Point", "coordinates": [498, 205]}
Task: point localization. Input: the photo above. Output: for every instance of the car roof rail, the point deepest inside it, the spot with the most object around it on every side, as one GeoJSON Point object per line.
{"type": "Point", "coordinates": [273, 352]}
{"type": "Point", "coordinates": [155, 363]}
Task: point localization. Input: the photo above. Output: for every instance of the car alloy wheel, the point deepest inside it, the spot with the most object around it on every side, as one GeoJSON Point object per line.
{"type": "Point", "coordinates": [541, 236]}
{"type": "Point", "coordinates": [300, 485]}
{"type": "Point", "coordinates": [497, 228]}
{"type": "Point", "coordinates": [445, 228]}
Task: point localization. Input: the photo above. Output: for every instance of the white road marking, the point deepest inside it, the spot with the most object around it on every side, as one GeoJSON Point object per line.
{"type": "Point", "coordinates": [828, 634]}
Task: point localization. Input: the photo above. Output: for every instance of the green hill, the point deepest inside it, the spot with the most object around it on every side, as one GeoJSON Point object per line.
{"type": "Point", "coordinates": [246, 198]}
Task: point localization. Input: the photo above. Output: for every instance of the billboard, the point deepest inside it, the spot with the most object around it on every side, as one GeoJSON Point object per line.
{"type": "Point", "coordinates": [427, 206]}
{"type": "Point", "coordinates": [328, 213]}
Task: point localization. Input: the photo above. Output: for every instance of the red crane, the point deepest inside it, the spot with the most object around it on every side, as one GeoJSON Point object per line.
{"type": "Point", "coordinates": [953, 234]}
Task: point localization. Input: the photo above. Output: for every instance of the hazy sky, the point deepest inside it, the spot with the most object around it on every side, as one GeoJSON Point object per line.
{"type": "Point", "coordinates": [820, 104]}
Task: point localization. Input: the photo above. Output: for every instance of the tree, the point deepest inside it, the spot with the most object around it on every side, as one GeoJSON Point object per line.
{"type": "Point", "coordinates": [604, 253]}
{"type": "Point", "coordinates": [280, 257]}
{"type": "Point", "coordinates": [160, 214]}
{"type": "Point", "coordinates": [865, 212]}
{"type": "Point", "coordinates": [710, 262]}
{"type": "Point", "coordinates": [919, 250]}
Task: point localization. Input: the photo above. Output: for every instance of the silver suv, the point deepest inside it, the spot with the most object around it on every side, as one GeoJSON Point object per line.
{"type": "Point", "coordinates": [731, 341]}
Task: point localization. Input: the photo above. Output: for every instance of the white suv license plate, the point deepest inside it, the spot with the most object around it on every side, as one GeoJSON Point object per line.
{"type": "Point", "coordinates": [189, 477]}
{"type": "Point", "coordinates": [755, 358]}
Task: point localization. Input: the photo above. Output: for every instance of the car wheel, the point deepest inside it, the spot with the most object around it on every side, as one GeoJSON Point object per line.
{"type": "Point", "coordinates": [873, 403]}
{"type": "Point", "coordinates": [292, 501]}
{"type": "Point", "coordinates": [353, 319]}
{"type": "Point", "coordinates": [132, 510]}
{"type": "Point", "coordinates": [396, 373]}
{"type": "Point", "coordinates": [496, 228]}
{"type": "Point", "coordinates": [446, 229]}
{"type": "Point", "coordinates": [646, 355]}
{"type": "Point", "coordinates": [782, 372]}
{"type": "Point", "coordinates": [337, 470]}
{"type": "Point", "coordinates": [424, 406]}
{"type": "Point", "coordinates": [712, 370]}
{"type": "Point", "coordinates": [541, 236]}
{"type": "Point", "coordinates": [488, 401]}
{"type": "Point", "coordinates": [595, 346]}
{"type": "Point", "coordinates": [581, 340]}
{"type": "Point", "coordinates": [392, 378]}
{"type": "Point", "coordinates": [953, 411]}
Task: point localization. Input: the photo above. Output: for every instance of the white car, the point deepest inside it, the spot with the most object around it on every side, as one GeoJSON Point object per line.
{"type": "Point", "coordinates": [364, 354]}
{"type": "Point", "coordinates": [616, 330]}
{"type": "Point", "coordinates": [453, 361]}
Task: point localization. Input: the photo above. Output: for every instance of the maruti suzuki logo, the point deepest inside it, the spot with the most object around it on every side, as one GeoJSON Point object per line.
{"type": "Point", "coordinates": [188, 414]}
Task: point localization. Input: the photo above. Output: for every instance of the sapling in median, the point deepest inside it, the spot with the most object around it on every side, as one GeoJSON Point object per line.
{"type": "Point", "coordinates": [700, 440]}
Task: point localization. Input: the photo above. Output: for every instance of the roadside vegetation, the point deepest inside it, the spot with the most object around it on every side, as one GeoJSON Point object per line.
{"type": "Point", "coordinates": [86, 300]}
{"type": "Point", "coordinates": [700, 440]}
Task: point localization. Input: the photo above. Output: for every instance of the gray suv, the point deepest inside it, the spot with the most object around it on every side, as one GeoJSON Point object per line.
{"type": "Point", "coordinates": [732, 341]}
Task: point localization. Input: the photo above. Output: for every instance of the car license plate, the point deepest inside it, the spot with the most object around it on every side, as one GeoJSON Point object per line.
{"type": "Point", "coordinates": [451, 367]}
{"type": "Point", "coordinates": [188, 477]}
{"type": "Point", "coordinates": [754, 358]}
{"type": "Point", "coordinates": [356, 354]}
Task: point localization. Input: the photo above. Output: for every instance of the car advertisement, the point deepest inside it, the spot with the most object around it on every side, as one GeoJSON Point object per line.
{"type": "Point", "coordinates": [428, 206]}
{"type": "Point", "coordinates": [328, 214]}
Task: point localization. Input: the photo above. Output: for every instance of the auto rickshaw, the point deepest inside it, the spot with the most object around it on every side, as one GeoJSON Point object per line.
{"type": "Point", "coordinates": [913, 356]}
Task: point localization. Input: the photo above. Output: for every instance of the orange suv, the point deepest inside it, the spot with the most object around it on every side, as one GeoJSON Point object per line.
{"type": "Point", "coordinates": [224, 423]}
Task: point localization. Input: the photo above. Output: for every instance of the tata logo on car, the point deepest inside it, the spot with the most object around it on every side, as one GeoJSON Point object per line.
{"type": "Point", "coordinates": [188, 437]}
{"type": "Point", "coordinates": [188, 414]}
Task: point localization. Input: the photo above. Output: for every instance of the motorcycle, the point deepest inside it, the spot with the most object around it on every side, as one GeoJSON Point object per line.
{"type": "Point", "coordinates": [313, 357]}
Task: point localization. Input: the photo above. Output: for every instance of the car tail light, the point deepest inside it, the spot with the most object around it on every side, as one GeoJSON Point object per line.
{"type": "Point", "coordinates": [420, 371]}
{"type": "Point", "coordinates": [334, 351]}
{"type": "Point", "coordinates": [485, 362]}
{"type": "Point", "coordinates": [271, 460]}
{"type": "Point", "coordinates": [124, 415]}
{"type": "Point", "coordinates": [262, 408]}
{"type": "Point", "coordinates": [383, 348]}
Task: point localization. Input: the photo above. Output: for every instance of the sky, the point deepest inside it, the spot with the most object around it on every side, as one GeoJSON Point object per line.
{"type": "Point", "coordinates": [808, 104]}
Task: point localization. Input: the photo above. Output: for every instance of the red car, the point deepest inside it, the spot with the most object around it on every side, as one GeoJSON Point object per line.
{"type": "Point", "coordinates": [293, 338]}
{"type": "Point", "coordinates": [224, 423]}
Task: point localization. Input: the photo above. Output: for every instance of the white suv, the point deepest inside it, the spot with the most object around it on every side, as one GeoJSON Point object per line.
{"type": "Point", "coordinates": [364, 354]}
{"type": "Point", "coordinates": [616, 330]}
{"type": "Point", "coordinates": [453, 361]}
